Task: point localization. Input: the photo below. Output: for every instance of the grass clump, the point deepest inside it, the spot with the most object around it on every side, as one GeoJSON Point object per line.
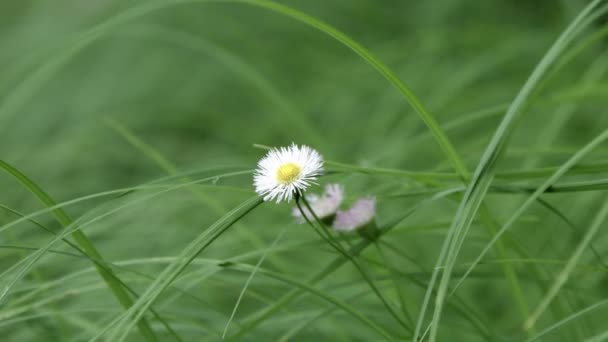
{"type": "Point", "coordinates": [467, 139]}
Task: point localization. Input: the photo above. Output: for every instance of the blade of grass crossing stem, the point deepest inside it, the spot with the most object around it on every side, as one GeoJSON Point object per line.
{"type": "Point", "coordinates": [356, 264]}
{"type": "Point", "coordinates": [336, 303]}
{"type": "Point", "coordinates": [562, 277]}
{"type": "Point", "coordinates": [540, 190]}
{"type": "Point", "coordinates": [424, 115]}
{"type": "Point", "coordinates": [547, 136]}
{"type": "Point", "coordinates": [568, 319]}
{"type": "Point", "coordinates": [61, 321]}
{"type": "Point", "coordinates": [222, 264]}
{"type": "Point", "coordinates": [34, 257]}
{"type": "Point", "coordinates": [561, 307]}
{"type": "Point", "coordinates": [77, 225]}
{"type": "Point", "coordinates": [97, 31]}
{"type": "Point", "coordinates": [334, 265]}
{"type": "Point", "coordinates": [119, 193]}
{"type": "Point", "coordinates": [461, 307]}
{"type": "Point", "coordinates": [129, 318]}
{"type": "Point", "coordinates": [290, 334]}
{"type": "Point", "coordinates": [430, 177]}
{"type": "Point", "coordinates": [139, 11]}
{"type": "Point", "coordinates": [249, 279]}
{"type": "Point", "coordinates": [489, 223]}
{"type": "Point", "coordinates": [398, 290]}
{"type": "Point", "coordinates": [492, 226]}
{"type": "Point", "coordinates": [574, 228]}
{"type": "Point", "coordinates": [170, 168]}
{"type": "Point", "coordinates": [598, 338]}
{"type": "Point", "coordinates": [94, 33]}
{"type": "Point", "coordinates": [42, 288]}
{"type": "Point", "coordinates": [308, 288]}
{"type": "Point", "coordinates": [578, 48]}
{"type": "Point", "coordinates": [62, 217]}
{"type": "Point", "coordinates": [483, 176]}
{"type": "Point", "coordinates": [103, 264]}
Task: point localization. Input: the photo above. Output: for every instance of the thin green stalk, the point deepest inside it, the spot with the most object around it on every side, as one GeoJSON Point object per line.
{"type": "Point", "coordinates": [134, 315]}
{"type": "Point", "coordinates": [249, 279]}
{"type": "Point", "coordinates": [330, 268]}
{"type": "Point", "coordinates": [424, 176]}
{"type": "Point", "coordinates": [321, 294]}
{"type": "Point", "coordinates": [75, 226]}
{"type": "Point", "coordinates": [563, 276]}
{"type": "Point", "coordinates": [351, 258]}
{"type": "Point", "coordinates": [36, 275]}
{"type": "Point", "coordinates": [572, 161]}
{"type": "Point", "coordinates": [398, 289]}
{"type": "Point", "coordinates": [119, 193]}
{"type": "Point", "coordinates": [568, 319]}
{"type": "Point", "coordinates": [483, 176]}
{"type": "Point", "coordinates": [100, 264]}
{"type": "Point", "coordinates": [170, 168]}
{"type": "Point", "coordinates": [323, 233]}
{"type": "Point", "coordinates": [81, 239]}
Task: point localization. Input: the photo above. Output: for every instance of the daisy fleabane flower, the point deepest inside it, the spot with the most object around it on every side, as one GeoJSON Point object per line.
{"type": "Point", "coordinates": [324, 206]}
{"type": "Point", "coordinates": [359, 215]}
{"type": "Point", "coordinates": [286, 171]}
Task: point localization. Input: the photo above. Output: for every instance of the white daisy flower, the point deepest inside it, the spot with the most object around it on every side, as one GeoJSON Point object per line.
{"type": "Point", "coordinates": [286, 171]}
{"type": "Point", "coordinates": [359, 215]}
{"type": "Point", "coordinates": [324, 206]}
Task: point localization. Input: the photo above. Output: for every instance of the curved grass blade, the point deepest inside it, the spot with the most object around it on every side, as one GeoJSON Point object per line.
{"type": "Point", "coordinates": [574, 228]}
{"type": "Point", "coordinates": [166, 165]}
{"type": "Point", "coordinates": [540, 190]}
{"type": "Point", "coordinates": [562, 277]}
{"type": "Point", "coordinates": [416, 104]}
{"type": "Point", "coordinates": [444, 143]}
{"type": "Point", "coordinates": [121, 192]}
{"type": "Point", "coordinates": [75, 226]}
{"type": "Point", "coordinates": [567, 320]}
{"type": "Point", "coordinates": [336, 244]}
{"type": "Point", "coordinates": [330, 268]}
{"type": "Point", "coordinates": [28, 87]}
{"type": "Point", "coordinates": [483, 176]}
{"type": "Point", "coordinates": [103, 264]}
{"type": "Point", "coordinates": [87, 246]}
{"type": "Point", "coordinates": [249, 279]}
{"type": "Point", "coordinates": [190, 252]}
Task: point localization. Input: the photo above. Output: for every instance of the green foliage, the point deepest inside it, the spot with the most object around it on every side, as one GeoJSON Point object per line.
{"type": "Point", "coordinates": [130, 130]}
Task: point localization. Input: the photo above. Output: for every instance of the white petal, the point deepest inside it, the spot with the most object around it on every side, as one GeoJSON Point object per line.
{"type": "Point", "coordinates": [265, 177]}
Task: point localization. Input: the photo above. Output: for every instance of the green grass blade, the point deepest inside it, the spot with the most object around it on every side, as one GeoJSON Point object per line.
{"type": "Point", "coordinates": [483, 175]}
{"type": "Point", "coordinates": [532, 198]}
{"type": "Point", "coordinates": [130, 318]}
{"type": "Point", "coordinates": [568, 319]}
{"type": "Point", "coordinates": [166, 165]}
{"type": "Point", "coordinates": [98, 264]}
{"type": "Point", "coordinates": [337, 263]}
{"type": "Point", "coordinates": [562, 277]}
{"type": "Point", "coordinates": [416, 104]}
{"type": "Point", "coordinates": [249, 279]}
{"type": "Point", "coordinates": [29, 262]}
{"type": "Point", "coordinates": [62, 217]}
{"type": "Point", "coordinates": [119, 192]}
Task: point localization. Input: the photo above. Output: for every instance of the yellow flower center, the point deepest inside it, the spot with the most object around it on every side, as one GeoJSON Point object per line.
{"type": "Point", "coordinates": [287, 173]}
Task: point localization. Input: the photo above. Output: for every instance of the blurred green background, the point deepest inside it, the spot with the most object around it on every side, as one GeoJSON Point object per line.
{"type": "Point", "coordinates": [96, 96]}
